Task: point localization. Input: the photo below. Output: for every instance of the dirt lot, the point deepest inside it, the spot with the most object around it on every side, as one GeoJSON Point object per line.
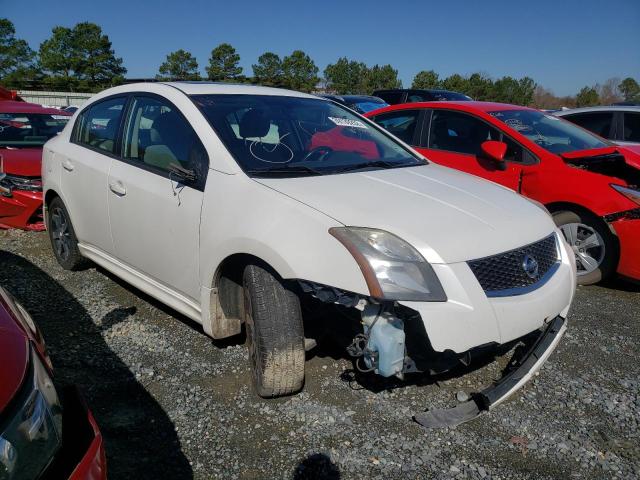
{"type": "Point", "coordinates": [174, 404]}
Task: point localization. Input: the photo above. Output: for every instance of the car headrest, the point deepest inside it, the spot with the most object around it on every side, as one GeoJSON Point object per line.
{"type": "Point", "coordinates": [254, 123]}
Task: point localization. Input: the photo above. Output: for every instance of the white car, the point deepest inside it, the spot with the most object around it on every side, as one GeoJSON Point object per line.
{"type": "Point", "coordinates": [229, 203]}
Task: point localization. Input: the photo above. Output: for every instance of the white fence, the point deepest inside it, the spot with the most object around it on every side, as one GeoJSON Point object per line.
{"type": "Point", "coordinates": [55, 99]}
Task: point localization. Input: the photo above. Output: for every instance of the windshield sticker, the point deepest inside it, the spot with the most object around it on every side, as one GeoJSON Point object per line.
{"type": "Point", "coordinates": [345, 122]}
{"type": "Point", "coordinates": [60, 117]}
{"type": "Point", "coordinates": [517, 125]}
{"type": "Point", "coordinates": [496, 114]}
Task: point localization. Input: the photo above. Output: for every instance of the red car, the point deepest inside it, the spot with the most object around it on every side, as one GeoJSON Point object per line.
{"type": "Point", "coordinates": [42, 434]}
{"type": "Point", "coordinates": [24, 128]}
{"type": "Point", "coordinates": [590, 186]}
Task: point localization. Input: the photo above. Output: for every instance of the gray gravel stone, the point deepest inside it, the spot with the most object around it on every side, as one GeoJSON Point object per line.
{"type": "Point", "coordinates": [174, 404]}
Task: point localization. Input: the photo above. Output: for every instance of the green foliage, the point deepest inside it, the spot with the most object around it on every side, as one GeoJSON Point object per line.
{"type": "Point", "coordinates": [346, 77]}
{"type": "Point", "coordinates": [510, 90]}
{"type": "Point", "coordinates": [630, 89]}
{"type": "Point", "coordinates": [455, 82]}
{"type": "Point", "coordinates": [16, 57]}
{"type": "Point", "coordinates": [300, 72]}
{"type": "Point", "coordinates": [179, 65]}
{"type": "Point", "coordinates": [224, 64]}
{"type": "Point", "coordinates": [58, 58]}
{"type": "Point", "coordinates": [80, 58]}
{"type": "Point", "coordinates": [268, 71]}
{"type": "Point", "coordinates": [479, 87]}
{"type": "Point", "coordinates": [381, 77]}
{"type": "Point", "coordinates": [426, 79]}
{"type": "Point", "coordinates": [587, 97]}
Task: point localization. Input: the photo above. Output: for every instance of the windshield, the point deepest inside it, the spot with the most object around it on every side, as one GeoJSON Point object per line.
{"type": "Point", "coordinates": [22, 130]}
{"type": "Point", "coordinates": [444, 95]}
{"type": "Point", "coordinates": [367, 106]}
{"type": "Point", "coordinates": [290, 136]}
{"type": "Point", "coordinates": [551, 133]}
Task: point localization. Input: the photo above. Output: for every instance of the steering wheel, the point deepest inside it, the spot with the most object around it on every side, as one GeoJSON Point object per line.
{"type": "Point", "coordinates": [323, 151]}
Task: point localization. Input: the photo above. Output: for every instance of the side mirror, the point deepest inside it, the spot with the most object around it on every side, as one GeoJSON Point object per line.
{"type": "Point", "coordinates": [494, 150]}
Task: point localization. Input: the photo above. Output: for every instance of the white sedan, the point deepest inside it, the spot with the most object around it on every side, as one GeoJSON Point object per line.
{"type": "Point", "coordinates": [229, 203]}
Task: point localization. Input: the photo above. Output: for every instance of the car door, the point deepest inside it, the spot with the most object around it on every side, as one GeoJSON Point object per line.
{"type": "Point", "coordinates": [85, 170]}
{"type": "Point", "coordinates": [154, 211]}
{"type": "Point", "coordinates": [454, 138]}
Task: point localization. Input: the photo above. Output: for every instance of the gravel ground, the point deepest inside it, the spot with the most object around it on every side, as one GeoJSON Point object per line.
{"type": "Point", "coordinates": [172, 403]}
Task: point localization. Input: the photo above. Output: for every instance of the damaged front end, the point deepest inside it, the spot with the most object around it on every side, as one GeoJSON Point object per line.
{"type": "Point", "coordinates": [392, 342]}
{"type": "Point", "coordinates": [609, 161]}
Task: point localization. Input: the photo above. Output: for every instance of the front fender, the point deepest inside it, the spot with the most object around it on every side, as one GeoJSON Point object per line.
{"type": "Point", "coordinates": [240, 215]}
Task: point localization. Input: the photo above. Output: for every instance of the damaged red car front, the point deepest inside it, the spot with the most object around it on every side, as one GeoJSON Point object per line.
{"type": "Point", "coordinates": [24, 129]}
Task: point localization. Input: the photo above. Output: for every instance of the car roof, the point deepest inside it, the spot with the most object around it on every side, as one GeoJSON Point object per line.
{"type": "Point", "coordinates": [11, 106]}
{"type": "Point", "coordinates": [458, 105]}
{"type": "Point", "coordinates": [602, 108]}
{"type": "Point", "coordinates": [218, 88]}
{"type": "Point", "coordinates": [362, 97]}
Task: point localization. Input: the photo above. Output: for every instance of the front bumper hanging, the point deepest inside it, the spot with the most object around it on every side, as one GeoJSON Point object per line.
{"type": "Point", "coordinates": [497, 393]}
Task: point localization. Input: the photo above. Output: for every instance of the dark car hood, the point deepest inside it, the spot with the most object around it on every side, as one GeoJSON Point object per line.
{"type": "Point", "coordinates": [25, 162]}
{"type": "Point", "coordinates": [14, 355]}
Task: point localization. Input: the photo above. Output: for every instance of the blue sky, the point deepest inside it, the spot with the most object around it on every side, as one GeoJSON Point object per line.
{"type": "Point", "coordinates": [562, 44]}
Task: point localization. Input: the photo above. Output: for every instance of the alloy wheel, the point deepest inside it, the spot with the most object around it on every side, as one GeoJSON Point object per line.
{"type": "Point", "coordinates": [60, 233]}
{"type": "Point", "coordinates": [587, 245]}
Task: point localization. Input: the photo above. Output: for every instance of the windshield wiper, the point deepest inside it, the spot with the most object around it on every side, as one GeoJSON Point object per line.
{"type": "Point", "coordinates": [279, 171]}
{"type": "Point", "coordinates": [376, 164]}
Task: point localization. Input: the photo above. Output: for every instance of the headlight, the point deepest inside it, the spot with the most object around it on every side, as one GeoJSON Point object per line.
{"type": "Point", "coordinates": [392, 268]}
{"type": "Point", "coordinates": [33, 433]}
{"type": "Point", "coordinates": [631, 193]}
{"type": "Point", "coordinates": [27, 323]}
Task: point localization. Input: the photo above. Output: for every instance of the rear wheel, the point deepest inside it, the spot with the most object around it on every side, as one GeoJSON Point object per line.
{"type": "Point", "coordinates": [594, 246]}
{"type": "Point", "coordinates": [63, 237]}
{"type": "Point", "coordinates": [275, 334]}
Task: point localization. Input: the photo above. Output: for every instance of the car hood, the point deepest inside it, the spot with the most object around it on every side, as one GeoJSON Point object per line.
{"type": "Point", "coordinates": [14, 355]}
{"type": "Point", "coordinates": [26, 162]}
{"type": "Point", "coordinates": [631, 156]}
{"type": "Point", "coordinates": [449, 216]}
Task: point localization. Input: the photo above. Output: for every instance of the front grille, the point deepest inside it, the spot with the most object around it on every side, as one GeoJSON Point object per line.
{"type": "Point", "coordinates": [505, 273]}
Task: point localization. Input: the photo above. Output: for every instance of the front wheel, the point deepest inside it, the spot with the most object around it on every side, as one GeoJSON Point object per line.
{"type": "Point", "coordinates": [275, 334]}
{"type": "Point", "coordinates": [594, 246]}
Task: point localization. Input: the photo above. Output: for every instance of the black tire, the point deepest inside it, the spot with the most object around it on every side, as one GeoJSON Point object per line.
{"type": "Point", "coordinates": [608, 264]}
{"type": "Point", "coordinates": [63, 237]}
{"type": "Point", "coordinates": [275, 334]}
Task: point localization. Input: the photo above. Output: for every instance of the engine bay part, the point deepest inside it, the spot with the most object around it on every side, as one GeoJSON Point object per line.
{"type": "Point", "coordinates": [612, 164]}
{"type": "Point", "coordinates": [385, 347]}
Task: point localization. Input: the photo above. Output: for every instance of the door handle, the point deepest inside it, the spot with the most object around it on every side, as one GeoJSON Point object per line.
{"type": "Point", "coordinates": [118, 188]}
{"type": "Point", "coordinates": [67, 165]}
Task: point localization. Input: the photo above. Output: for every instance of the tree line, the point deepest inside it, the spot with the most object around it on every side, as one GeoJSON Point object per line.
{"type": "Point", "coordinates": [82, 58]}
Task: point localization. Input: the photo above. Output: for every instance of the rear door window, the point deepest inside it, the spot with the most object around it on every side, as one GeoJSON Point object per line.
{"type": "Point", "coordinates": [596, 122]}
{"type": "Point", "coordinates": [402, 124]}
{"type": "Point", "coordinates": [98, 126]}
{"type": "Point", "coordinates": [631, 127]}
